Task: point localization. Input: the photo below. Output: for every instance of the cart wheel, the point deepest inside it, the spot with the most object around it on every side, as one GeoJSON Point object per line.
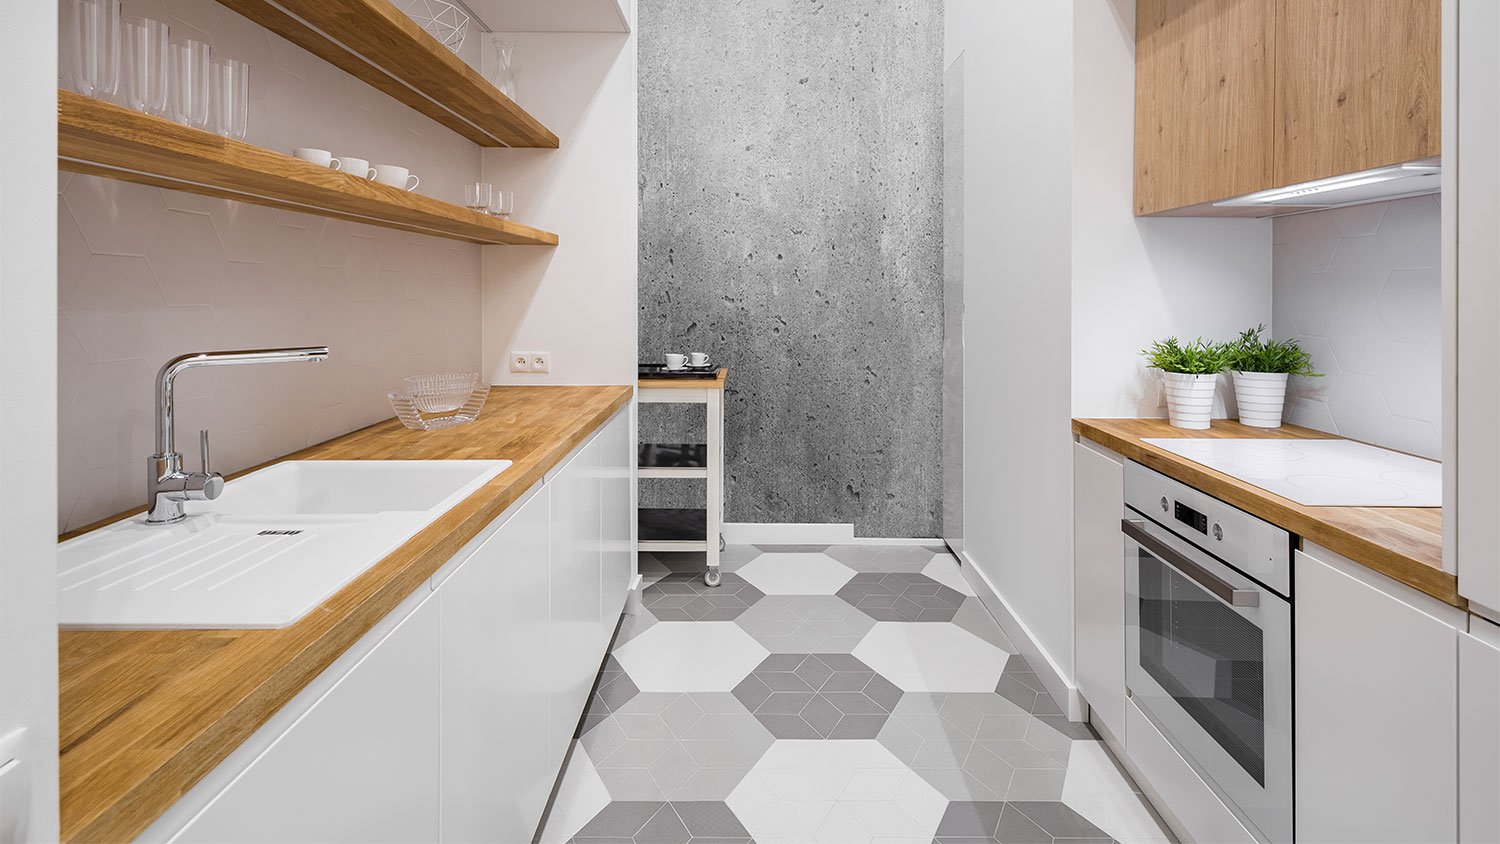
{"type": "Point", "coordinates": [712, 577]}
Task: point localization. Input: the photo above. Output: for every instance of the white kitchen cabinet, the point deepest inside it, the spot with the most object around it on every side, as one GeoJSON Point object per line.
{"type": "Point", "coordinates": [360, 766]}
{"type": "Point", "coordinates": [1479, 733]}
{"type": "Point", "coordinates": [617, 459]}
{"type": "Point", "coordinates": [1376, 666]}
{"type": "Point", "coordinates": [1099, 582]}
{"type": "Point", "coordinates": [495, 714]}
{"type": "Point", "coordinates": [575, 649]}
{"type": "Point", "coordinates": [1477, 269]}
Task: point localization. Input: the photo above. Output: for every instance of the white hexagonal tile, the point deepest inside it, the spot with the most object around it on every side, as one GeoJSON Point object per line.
{"type": "Point", "coordinates": [289, 264]}
{"type": "Point", "coordinates": [796, 574]}
{"type": "Point", "coordinates": [1359, 269]}
{"type": "Point", "coordinates": [115, 217]}
{"type": "Point", "coordinates": [111, 419]}
{"type": "Point", "coordinates": [1310, 242]}
{"type": "Point", "coordinates": [1096, 789]}
{"type": "Point", "coordinates": [1312, 301]}
{"type": "Point", "coordinates": [695, 656]}
{"type": "Point", "coordinates": [1359, 411]}
{"type": "Point", "coordinates": [1359, 339]}
{"type": "Point", "coordinates": [188, 260]}
{"type": "Point", "coordinates": [835, 791]}
{"type": "Point", "coordinates": [72, 252]}
{"type": "Point", "coordinates": [244, 230]}
{"type": "Point", "coordinates": [1309, 413]}
{"type": "Point", "coordinates": [944, 569]}
{"type": "Point", "coordinates": [1323, 361]}
{"type": "Point", "coordinates": [333, 244]}
{"type": "Point", "coordinates": [362, 269]}
{"type": "Point", "coordinates": [115, 281]}
{"type": "Point", "coordinates": [1410, 306]}
{"type": "Point", "coordinates": [1411, 381]}
{"type": "Point", "coordinates": [116, 333]}
{"type": "Point", "coordinates": [932, 657]}
{"type": "Point", "coordinates": [1410, 234]}
{"type": "Point", "coordinates": [1358, 220]}
{"type": "Point", "coordinates": [580, 796]}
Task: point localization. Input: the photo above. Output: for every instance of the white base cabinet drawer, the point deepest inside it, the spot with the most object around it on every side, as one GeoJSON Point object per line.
{"type": "Point", "coordinates": [1479, 733]}
{"type": "Point", "coordinates": [1189, 805]}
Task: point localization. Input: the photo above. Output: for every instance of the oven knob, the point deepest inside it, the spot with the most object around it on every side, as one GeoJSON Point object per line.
{"type": "Point", "coordinates": [1164, 504]}
{"type": "Point", "coordinates": [1218, 532]}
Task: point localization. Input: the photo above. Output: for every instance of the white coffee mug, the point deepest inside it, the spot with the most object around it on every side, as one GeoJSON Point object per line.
{"type": "Point", "coordinates": [320, 157]}
{"type": "Point", "coordinates": [396, 177]}
{"type": "Point", "coordinates": [676, 361]}
{"type": "Point", "coordinates": [698, 359]}
{"type": "Point", "coordinates": [357, 167]}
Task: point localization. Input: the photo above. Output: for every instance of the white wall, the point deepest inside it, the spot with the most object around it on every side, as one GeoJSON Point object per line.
{"type": "Point", "coordinates": [1063, 286]}
{"type": "Point", "coordinates": [1136, 280]}
{"type": "Point", "coordinates": [577, 301]}
{"type": "Point", "coordinates": [28, 417]}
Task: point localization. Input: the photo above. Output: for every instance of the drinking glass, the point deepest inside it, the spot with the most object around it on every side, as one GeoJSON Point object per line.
{"type": "Point", "coordinates": [90, 41]}
{"type": "Point", "coordinates": [502, 204]}
{"type": "Point", "coordinates": [145, 64]}
{"type": "Point", "coordinates": [229, 97]}
{"type": "Point", "coordinates": [189, 82]}
{"type": "Point", "coordinates": [477, 196]}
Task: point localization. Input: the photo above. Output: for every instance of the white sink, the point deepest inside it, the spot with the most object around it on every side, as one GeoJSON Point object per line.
{"type": "Point", "coordinates": [273, 547]}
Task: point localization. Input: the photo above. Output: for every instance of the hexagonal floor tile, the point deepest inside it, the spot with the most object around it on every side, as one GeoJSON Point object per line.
{"type": "Point", "coordinates": [796, 574]}
{"type": "Point", "coordinates": [663, 746]}
{"type": "Point", "coordinates": [685, 597]}
{"type": "Point", "coordinates": [805, 624]}
{"type": "Point", "coordinates": [885, 558]}
{"type": "Point", "coordinates": [931, 657]}
{"type": "Point", "coordinates": [633, 623]}
{"type": "Point", "coordinates": [1020, 685]}
{"type": "Point", "coordinates": [901, 596]}
{"type": "Point", "coordinates": [613, 689]}
{"type": "Point", "coordinates": [695, 656]}
{"type": "Point", "coordinates": [818, 696]}
{"type": "Point", "coordinates": [835, 791]}
{"type": "Point", "coordinates": [1041, 822]}
{"type": "Point", "coordinates": [656, 822]}
{"type": "Point", "coordinates": [945, 569]}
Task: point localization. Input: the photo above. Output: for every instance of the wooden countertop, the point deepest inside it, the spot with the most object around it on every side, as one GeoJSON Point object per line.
{"type": "Point", "coordinates": [144, 714]}
{"type": "Point", "coordinates": [1405, 543]}
{"type": "Point", "coordinates": [716, 382]}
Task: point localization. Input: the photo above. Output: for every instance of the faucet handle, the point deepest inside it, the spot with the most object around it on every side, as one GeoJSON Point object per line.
{"type": "Point", "coordinates": [203, 450]}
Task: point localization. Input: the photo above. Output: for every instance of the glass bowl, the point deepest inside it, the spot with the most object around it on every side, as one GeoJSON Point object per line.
{"type": "Point", "coordinates": [441, 393]}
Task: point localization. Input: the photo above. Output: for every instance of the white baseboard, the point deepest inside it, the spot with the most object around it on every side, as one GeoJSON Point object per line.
{"type": "Point", "coordinates": [633, 598]}
{"type": "Point", "coordinates": [773, 533]}
{"type": "Point", "coordinates": [1041, 662]}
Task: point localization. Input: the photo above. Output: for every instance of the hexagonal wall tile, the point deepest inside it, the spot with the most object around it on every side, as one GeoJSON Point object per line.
{"type": "Point", "coordinates": [796, 574]}
{"type": "Point", "coordinates": [818, 696]}
{"type": "Point", "coordinates": [115, 217]}
{"type": "Point", "coordinates": [835, 791]}
{"type": "Point", "coordinates": [932, 657]}
{"type": "Point", "coordinates": [188, 260]}
{"type": "Point", "coordinates": [698, 656]}
{"type": "Point", "coordinates": [1409, 306]}
{"type": "Point", "coordinates": [900, 596]}
{"type": "Point", "coordinates": [685, 597]}
{"type": "Point", "coordinates": [805, 623]}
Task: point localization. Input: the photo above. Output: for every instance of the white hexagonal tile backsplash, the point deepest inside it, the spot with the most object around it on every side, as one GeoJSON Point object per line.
{"type": "Point", "coordinates": [1369, 317]}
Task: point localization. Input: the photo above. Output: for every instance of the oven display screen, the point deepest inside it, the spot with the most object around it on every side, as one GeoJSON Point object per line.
{"type": "Point", "coordinates": [1190, 517]}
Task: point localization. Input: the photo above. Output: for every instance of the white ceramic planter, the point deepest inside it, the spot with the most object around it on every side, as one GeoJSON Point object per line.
{"type": "Point", "coordinates": [1190, 399]}
{"type": "Point", "coordinates": [1261, 397]}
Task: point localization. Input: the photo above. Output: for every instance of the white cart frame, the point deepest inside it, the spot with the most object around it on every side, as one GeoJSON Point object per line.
{"type": "Point", "coordinates": [709, 393]}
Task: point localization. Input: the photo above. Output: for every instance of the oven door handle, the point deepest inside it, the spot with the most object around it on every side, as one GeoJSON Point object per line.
{"type": "Point", "coordinates": [1135, 529]}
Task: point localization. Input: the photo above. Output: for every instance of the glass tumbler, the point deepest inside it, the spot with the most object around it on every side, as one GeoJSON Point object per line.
{"type": "Point", "coordinates": [477, 196]}
{"type": "Point", "coordinates": [144, 63]}
{"type": "Point", "coordinates": [90, 42]}
{"type": "Point", "coordinates": [229, 97]}
{"type": "Point", "coordinates": [502, 204]}
{"type": "Point", "coordinates": [191, 64]}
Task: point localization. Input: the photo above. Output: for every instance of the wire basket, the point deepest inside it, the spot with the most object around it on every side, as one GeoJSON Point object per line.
{"type": "Point", "coordinates": [446, 22]}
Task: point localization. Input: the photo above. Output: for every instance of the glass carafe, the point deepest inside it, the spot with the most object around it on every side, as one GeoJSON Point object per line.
{"type": "Point", "coordinates": [496, 62]}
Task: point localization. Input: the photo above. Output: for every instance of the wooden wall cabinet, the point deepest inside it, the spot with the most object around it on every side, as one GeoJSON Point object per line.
{"type": "Point", "coordinates": [1238, 96]}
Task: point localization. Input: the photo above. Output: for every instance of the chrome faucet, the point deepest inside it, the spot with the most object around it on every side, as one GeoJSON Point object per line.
{"type": "Point", "coordinates": [167, 484]}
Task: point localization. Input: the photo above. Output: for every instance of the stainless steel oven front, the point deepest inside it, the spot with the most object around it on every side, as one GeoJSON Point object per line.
{"type": "Point", "coordinates": [1208, 620]}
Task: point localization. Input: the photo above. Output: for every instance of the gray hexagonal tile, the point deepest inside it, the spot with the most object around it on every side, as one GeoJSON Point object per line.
{"type": "Point", "coordinates": [973, 617]}
{"type": "Point", "coordinates": [635, 622]}
{"type": "Point", "coordinates": [667, 745]}
{"type": "Point", "coordinates": [612, 690]}
{"type": "Point", "coordinates": [805, 624]}
{"type": "Point", "coordinates": [685, 597]}
{"type": "Point", "coordinates": [1020, 685]}
{"type": "Point", "coordinates": [818, 696]}
{"type": "Point", "coordinates": [1014, 821]}
{"type": "Point", "coordinates": [969, 745]}
{"type": "Point", "coordinates": [664, 822]}
{"type": "Point", "coordinates": [885, 558]}
{"type": "Point", "coordinates": [902, 596]}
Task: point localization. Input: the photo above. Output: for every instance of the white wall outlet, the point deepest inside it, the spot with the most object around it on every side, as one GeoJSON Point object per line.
{"type": "Point", "coordinates": [520, 361]}
{"type": "Point", "coordinates": [541, 361]}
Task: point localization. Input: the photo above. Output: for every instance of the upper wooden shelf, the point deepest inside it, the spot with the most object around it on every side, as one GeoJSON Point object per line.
{"type": "Point", "coordinates": [102, 139]}
{"type": "Point", "coordinates": [378, 44]}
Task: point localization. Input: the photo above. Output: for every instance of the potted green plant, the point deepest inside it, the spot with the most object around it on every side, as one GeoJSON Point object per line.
{"type": "Point", "coordinates": [1260, 375]}
{"type": "Point", "coordinates": [1190, 372]}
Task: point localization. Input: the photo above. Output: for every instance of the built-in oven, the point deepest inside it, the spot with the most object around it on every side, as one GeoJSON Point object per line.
{"type": "Point", "coordinates": [1208, 621]}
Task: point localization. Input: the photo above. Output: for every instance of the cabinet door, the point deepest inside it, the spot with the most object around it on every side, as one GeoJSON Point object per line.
{"type": "Point", "coordinates": [494, 714]}
{"type": "Point", "coordinates": [617, 458]}
{"type": "Point", "coordinates": [1203, 101]}
{"type": "Point", "coordinates": [1477, 531]}
{"type": "Point", "coordinates": [1479, 733]}
{"type": "Point", "coordinates": [1376, 711]}
{"type": "Point", "coordinates": [1099, 583]}
{"type": "Point", "coordinates": [574, 649]}
{"type": "Point", "coordinates": [360, 766]}
{"type": "Point", "coordinates": [1358, 85]}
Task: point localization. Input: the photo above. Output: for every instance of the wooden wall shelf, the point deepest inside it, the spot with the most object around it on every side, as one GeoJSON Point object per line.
{"type": "Point", "coordinates": [377, 43]}
{"type": "Point", "coordinates": [102, 139]}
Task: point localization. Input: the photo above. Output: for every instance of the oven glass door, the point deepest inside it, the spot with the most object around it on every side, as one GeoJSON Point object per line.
{"type": "Point", "coordinates": [1209, 660]}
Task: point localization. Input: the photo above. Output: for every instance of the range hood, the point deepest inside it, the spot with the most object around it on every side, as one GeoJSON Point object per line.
{"type": "Point", "coordinates": [1394, 182]}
